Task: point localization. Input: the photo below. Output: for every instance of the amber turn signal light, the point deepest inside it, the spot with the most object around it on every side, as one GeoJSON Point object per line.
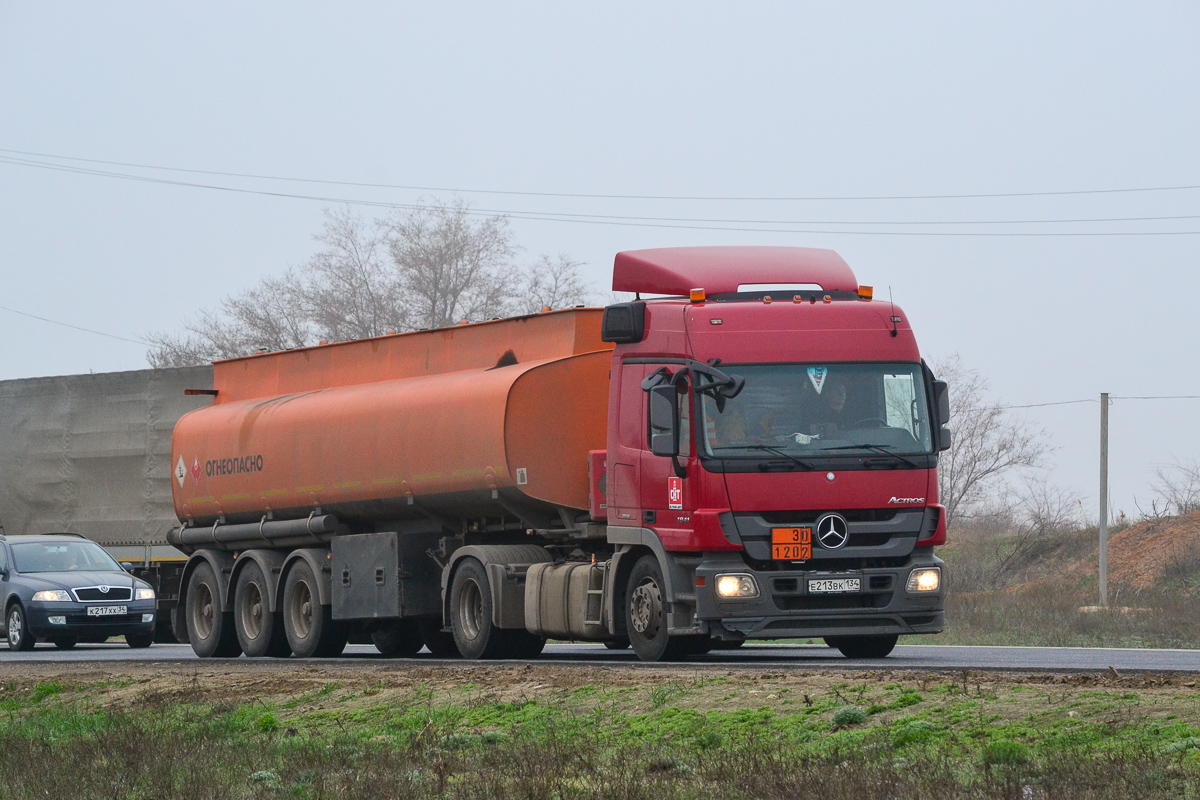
{"type": "Point", "coordinates": [697, 295]}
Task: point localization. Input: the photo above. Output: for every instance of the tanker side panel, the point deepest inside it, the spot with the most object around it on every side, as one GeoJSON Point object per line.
{"type": "Point", "coordinates": [90, 454]}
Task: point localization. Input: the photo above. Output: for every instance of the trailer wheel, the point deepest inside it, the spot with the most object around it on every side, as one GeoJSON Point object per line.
{"type": "Point", "coordinates": [259, 631]}
{"type": "Point", "coordinates": [863, 646]}
{"type": "Point", "coordinates": [309, 626]}
{"type": "Point", "coordinates": [210, 630]}
{"type": "Point", "coordinates": [439, 642]}
{"type": "Point", "coordinates": [646, 618]}
{"type": "Point", "coordinates": [399, 639]}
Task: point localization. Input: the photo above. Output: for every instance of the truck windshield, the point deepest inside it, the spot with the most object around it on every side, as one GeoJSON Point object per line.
{"type": "Point", "coordinates": [820, 410]}
{"type": "Point", "coordinates": [62, 557]}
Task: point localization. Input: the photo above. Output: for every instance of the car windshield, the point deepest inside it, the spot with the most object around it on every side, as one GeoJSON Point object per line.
{"type": "Point", "coordinates": [62, 557]}
{"type": "Point", "coordinates": [820, 410]}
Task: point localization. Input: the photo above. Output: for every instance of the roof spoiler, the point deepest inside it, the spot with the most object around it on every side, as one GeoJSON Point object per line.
{"type": "Point", "coordinates": [721, 270]}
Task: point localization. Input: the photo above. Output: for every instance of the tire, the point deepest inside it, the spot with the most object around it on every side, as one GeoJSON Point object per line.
{"type": "Point", "coordinates": [139, 639]}
{"type": "Point", "coordinates": [645, 615]}
{"type": "Point", "coordinates": [65, 642]}
{"type": "Point", "coordinates": [309, 626]}
{"type": "Point", "coordinates": [19, 637]}
{"type": "Point", "coordinates": [622, 644]}
{"type": "Point", "coordinates": [399, 639]}
{"type": "Point", "coordinates": [259, 630]}
{"type": "Point", "coordinates": [210, 630]}
{"type": "Point", "coordinates": [471, 619]}
{"type": "Point", "coordinates": [863, 646]}
{"type": "Point", "coordinates": [439, 642]}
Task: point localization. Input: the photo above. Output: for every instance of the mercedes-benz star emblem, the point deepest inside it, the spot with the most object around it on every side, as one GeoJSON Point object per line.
{"type": "Point", "coordinates": [832, 531]}
{"type": "Point", "coordinates": [103, 590]}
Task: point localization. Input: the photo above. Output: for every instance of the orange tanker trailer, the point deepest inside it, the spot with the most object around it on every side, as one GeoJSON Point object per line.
{"type": "Point", "coordinates": [732, 461]}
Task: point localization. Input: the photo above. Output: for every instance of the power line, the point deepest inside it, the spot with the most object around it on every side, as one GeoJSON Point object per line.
{"type": "Point", "coordinates": [834, 198]}
{"type": "Point", "coordinates": [1110, 397]}
{"type": "Point", "coordinates": [74, 327]}
{"type": "Point", "coordinates": [585, 219]}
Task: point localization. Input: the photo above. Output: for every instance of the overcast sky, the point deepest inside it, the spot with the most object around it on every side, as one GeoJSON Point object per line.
{"type": "Point", "coordinates": [737, 100]}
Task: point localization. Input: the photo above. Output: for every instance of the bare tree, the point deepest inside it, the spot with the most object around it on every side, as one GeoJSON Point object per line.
{"type": "Point", "coordinates": [452, 266]}
{"type": "Point", "coordinates": [553, 283]}
{"type": "Point", "coordinates": [428, 268]}
{"type": "Point", "coordinates": [989, 443]}
{"type": "Point", "coordinates": [1178, 489]}
{"type": "Point", "coordinates": [1043, 512]}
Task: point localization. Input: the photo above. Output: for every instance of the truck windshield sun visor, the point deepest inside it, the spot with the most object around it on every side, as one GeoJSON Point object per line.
{"type": "Point", "coordinates": [802, 412]}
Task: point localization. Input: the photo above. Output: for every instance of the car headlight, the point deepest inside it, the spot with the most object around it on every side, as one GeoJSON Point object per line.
{"type": "Point", "coordinates": [52, 596]}
{"type": "Point", "coordinates": [736, 586]}
{"type": "Point", "coordinates": [144, 593]}
{"type": "Point", "coordinates": [924, 580]}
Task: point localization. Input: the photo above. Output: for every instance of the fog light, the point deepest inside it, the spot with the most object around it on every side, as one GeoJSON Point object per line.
{"type": "Point", "coordinates": [147, 618]}
{"type": "Point", "coordinates": [924, 580]}
{"type": "Point", "coordinates": [57, 620]}
{"type": "Point", "coordinates": [736, 586]}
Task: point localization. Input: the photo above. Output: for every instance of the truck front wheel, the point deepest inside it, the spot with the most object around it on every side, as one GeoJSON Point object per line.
{"type": "Point", "coordinates": [646, 618]}
{"type": "Point", "coordinates": [309, 625]}
{"type": "Point", "coordinates": [259, 631]}
{"type": "Point", "coordinates": [210, 630]}
{"type": "Point", "coordinates": [863, 646]}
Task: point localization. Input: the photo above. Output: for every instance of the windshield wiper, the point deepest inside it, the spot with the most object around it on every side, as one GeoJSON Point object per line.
{"type": "Point", "coordinates": [886, 449]}
{"type": "Point", "coordinates": [770, 449]}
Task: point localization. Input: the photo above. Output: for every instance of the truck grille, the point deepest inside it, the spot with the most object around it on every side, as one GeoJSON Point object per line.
{"type": "Point", "coordinates": [92, 594]}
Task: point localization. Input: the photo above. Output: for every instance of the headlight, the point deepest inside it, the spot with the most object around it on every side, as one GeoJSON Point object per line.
{"type": "Point", "coordinates": [736, 586]}
{"type": "Point", "coordinates": [924, 580]}
{"type": "Point", "coordinates": [52, 596]}
{"type": "Point", "coordinates": [144, 593]}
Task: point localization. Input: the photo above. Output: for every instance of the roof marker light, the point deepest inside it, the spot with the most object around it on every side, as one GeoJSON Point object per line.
{"type": "Point", "coordinates": [797, 298]}
{"type": "Point", "coordinates": [827, 299]}
{"type": "Point", "coordinates": [767, 298]}
{"type": "Point", "coordinates": [697, 295]}
{"type": "Point", "coordinates": [865, 292]}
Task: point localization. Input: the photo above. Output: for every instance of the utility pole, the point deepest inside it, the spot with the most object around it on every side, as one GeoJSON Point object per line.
{"type": "Point", "coordinates": [1104, 498]}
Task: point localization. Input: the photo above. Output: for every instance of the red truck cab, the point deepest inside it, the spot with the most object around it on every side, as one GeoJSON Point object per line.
{"type": "Point", "coordinates": [774, 436]}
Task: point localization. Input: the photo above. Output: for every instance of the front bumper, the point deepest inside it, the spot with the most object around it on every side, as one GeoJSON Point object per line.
{"type": "Point", "coordinates": [784, 608]}
{"type": "Point", "coordinates": [77, 623]}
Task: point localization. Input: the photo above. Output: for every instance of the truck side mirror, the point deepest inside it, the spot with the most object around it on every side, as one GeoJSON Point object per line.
{"type": "Point", "coordinates": [941, 396]}
{"type": "Point", "coordinates": [664, 420]}
{"type": "Point", "coordinates": [945, 439]}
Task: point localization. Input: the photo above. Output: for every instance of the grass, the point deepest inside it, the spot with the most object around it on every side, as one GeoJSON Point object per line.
{"type": "Point", "coordinates": [678, 739]}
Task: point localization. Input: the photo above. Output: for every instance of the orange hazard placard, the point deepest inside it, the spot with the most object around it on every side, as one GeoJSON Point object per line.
{"type": "Point", "coordinates": [791, 544]}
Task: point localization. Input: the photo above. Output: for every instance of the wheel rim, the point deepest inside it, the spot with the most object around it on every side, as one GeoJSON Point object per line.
{"type": "Point", "coordinates": [470, 610]}
{"type": "Point", "coordinates": [14, 628]}
{"type": "Point", "coordinates": [300, 609]}
{"type": "Point", "coordinates": [645, 609]}
{"type": "Point", "coordinates": [202, 616]}
{"type": "Point", "coordinates": [252, 611]}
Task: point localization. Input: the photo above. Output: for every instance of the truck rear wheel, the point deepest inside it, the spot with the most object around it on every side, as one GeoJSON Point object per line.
{"type": "Point", "coordinates": [309, 626]}
{"type": "Point", "coordinates": [399, 639]}
{"type": "Point", "coordinates": [210, 630]}
{"type": "Point", "coordinates": [471, 619]}
{"type": "Point", "coordinates": [646, 618]}
{"type": "Point", "coordinates": [439, 642]}
{"type": "Point", "coordinates": [863, 646]}
{"type": "Point", "coordinates": [259, 630]}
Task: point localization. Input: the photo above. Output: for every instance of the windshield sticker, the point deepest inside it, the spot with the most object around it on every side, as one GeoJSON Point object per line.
{"type": "Point", "coordinates": [817, 376]}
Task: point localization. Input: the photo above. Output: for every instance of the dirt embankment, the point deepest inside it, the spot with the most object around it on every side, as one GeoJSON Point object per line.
{"type": "Point", "coordinates": [1150, 554]}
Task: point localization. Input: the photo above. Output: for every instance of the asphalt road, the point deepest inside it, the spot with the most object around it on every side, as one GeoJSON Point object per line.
{"type": "Point", "coordinates": [934, 657]}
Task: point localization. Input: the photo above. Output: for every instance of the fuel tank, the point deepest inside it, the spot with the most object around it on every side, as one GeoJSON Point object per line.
{"type": "Point", "coordinates": [485, 420]}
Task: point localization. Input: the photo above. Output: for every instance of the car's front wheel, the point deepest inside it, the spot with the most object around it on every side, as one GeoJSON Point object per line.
{"type": "Point", "coordinates": [19, 637]}
{"type": "Point", "coordinates": [139, 639]}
